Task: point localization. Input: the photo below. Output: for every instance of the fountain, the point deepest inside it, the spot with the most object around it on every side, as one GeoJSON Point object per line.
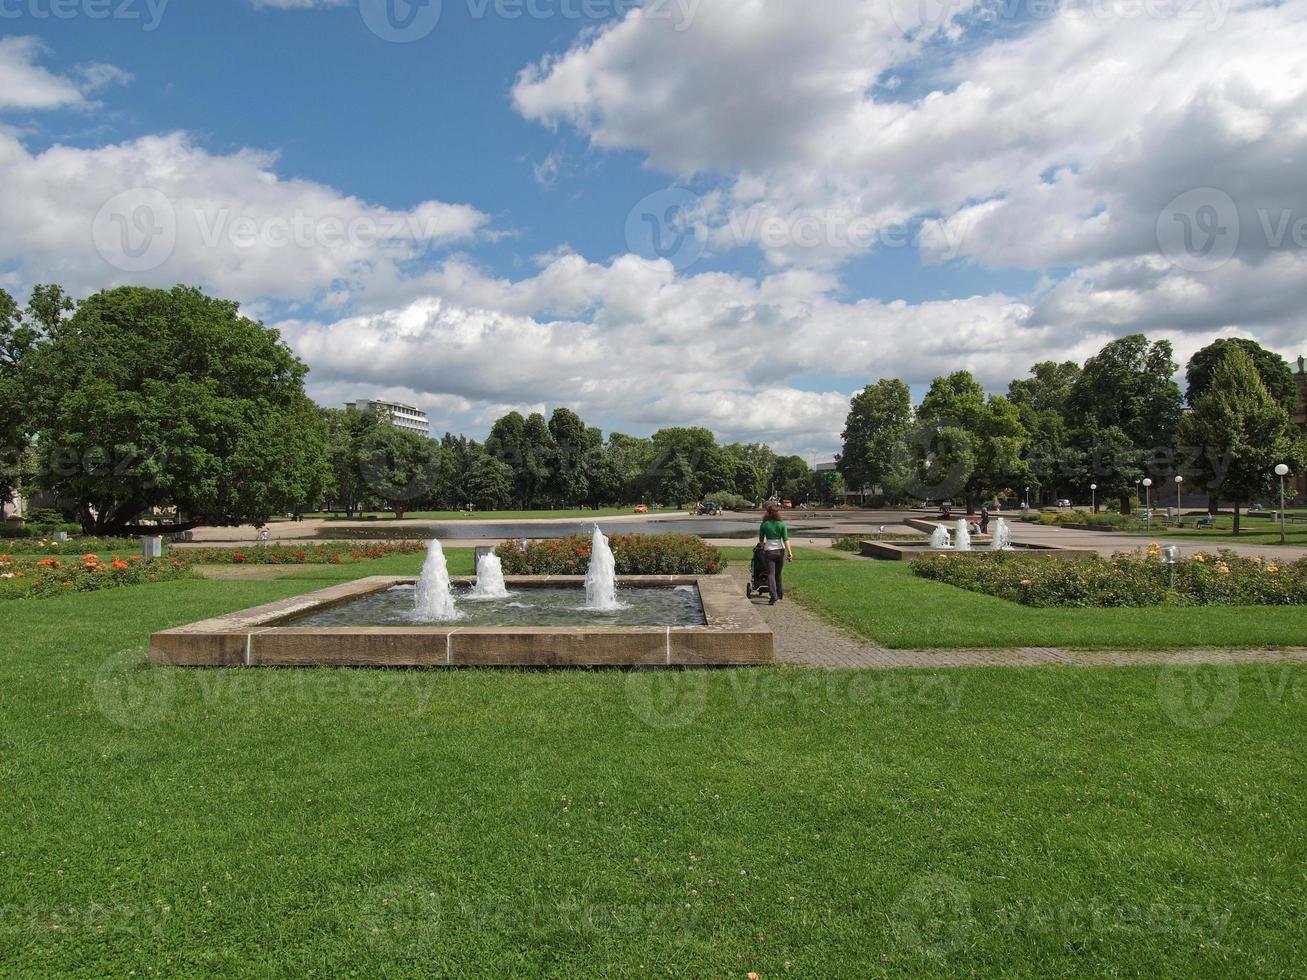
{"type": "Point", "coordinates": [434, 597]}
{"type": "Point", "coordinates": [490, 579]}
{"type": "Point", "coordinates": [601, 579]}
{"type": "Point", "coordinates": [1002, 539]}
{"type": "Point", "coordinates": [940, 538]}
{"type": "Point", "coordinates": [962, 539]}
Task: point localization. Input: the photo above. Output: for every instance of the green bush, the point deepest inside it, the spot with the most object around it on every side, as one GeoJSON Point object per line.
{"type": "Point", "coordinates": [38, 578]}
{"type": "Point", "coordinates": [848, 542]}
{"type": "Point", "coordinates": [1135, 580]}
{"type": "Point", "coordinates": [729, 501]}
{"type": "Point", "coordinates": [634, 554]}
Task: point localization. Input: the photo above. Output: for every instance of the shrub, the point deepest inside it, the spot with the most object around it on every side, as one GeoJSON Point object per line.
{"type": "Point", "coordinates": [1138, 579]}
{"type": "Point", "coordinates": [848, 542]}
{"type": "Point", "coordinates": [729, 501]}
{"type": "Point", "coordinates": [634, 554]}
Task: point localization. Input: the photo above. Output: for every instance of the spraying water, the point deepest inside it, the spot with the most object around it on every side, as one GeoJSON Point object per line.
{"type": "Point", "coordinates": [601, 579]}
{"type": "Point", "coordinates": [940, 538]}
{"type": "Point", "coordinates": [490, 579]}
{"type": "Point", "coordinates": [1002, 540]}
{"type": "Point", "coordinates": [962, 538]}
{"type": "Point", "coordinates": [435, 600]}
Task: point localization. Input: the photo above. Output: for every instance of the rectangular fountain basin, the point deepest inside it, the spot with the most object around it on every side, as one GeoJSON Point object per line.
{"type": "Point", "coordinates": [908, 551]}
{"type": "Point", "coordinates": [726, 631]}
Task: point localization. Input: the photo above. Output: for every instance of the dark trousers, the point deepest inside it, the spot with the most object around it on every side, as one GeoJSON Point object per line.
{"type": "Point", "coordinates": [775, 567]}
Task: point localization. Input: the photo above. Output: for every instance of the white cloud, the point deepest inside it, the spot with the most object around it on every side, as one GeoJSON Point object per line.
{"type": "Point", "coordinates": [160, 210]}
{"type": "Point", "coordinates": [26, 86]}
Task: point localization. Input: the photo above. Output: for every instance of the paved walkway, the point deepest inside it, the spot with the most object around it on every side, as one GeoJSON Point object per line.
{"type": "Point", "coordinates": [804, 639]}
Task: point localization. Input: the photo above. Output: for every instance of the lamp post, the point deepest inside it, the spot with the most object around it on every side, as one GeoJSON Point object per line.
{"type": "Point", "coordinates": [1179, 486]}
{"type": "Point", "coordinates": [1093, 498]}
{"type": "Point", "coordinates": [1027, 498]}
{"type": "Point", "coordinates": [1148, 489]}
{"type": "Point", "coordinates": [1282, 471]}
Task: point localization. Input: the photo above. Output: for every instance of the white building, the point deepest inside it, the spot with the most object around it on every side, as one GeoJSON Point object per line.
{"type": "Point", "coordinates": [404, 416]}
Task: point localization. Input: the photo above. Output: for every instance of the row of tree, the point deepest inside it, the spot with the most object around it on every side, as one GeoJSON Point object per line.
{"type": "Point", "coordinates": [137, 399]}
{"type": "Point", "coordinates": [1113, 422]}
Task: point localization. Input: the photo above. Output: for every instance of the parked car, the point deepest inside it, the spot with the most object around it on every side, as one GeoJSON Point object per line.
{"type": "Point", "coordinates": [642, 508]}
{"type": "Point", "coordinates": [1064, 503]}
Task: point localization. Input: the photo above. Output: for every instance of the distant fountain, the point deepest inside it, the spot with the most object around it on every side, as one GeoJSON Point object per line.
{"type": "Point", "coordinates": [940, 538]}
{"type": "Point", "coordinates": [962, 538]}
{"type": "Point", "coordinates": [434, 602]}
{"type": "Point", "coordinates": [601, 579]}
{"type": "Point", "coordinates": [490, 578]}
{"type": "Point", "coordinates": [1002, 539]}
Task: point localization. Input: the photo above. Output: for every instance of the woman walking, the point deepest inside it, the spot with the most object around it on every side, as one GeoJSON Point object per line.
{"type": "Point", "coordinates": [774, 537]}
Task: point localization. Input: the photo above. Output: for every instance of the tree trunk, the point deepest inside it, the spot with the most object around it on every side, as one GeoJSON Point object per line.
{"type": "Point", "coordinates": [399, 513]}
{"type": "Point", "coordinates": [1126, 507]}
{"type": "Point", "coordinates": [1237, 508]}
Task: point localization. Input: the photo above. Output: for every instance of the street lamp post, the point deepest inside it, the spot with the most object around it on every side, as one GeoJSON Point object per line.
{"type": "Point", "coordinates": [1148, 489]}
{"type": "Point", "coordinates": [1179, 485]}
{"type": "Point", "coordinates": [1027, 498]}
{"type": "Point", "coordinates": [1093, 498]}
{"type": "Point", "coordinates": [1282, 471]}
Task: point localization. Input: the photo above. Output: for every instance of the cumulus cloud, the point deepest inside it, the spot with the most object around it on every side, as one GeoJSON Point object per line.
{"type": "Point", "coordinates": [161, 210]}
{"type": "Point", "coordinates": [26, 86]}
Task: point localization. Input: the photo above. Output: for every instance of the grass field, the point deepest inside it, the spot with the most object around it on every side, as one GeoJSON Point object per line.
{"type": "Point", "coordinates": [786, 822]}
{"type": "Point", "coordinates": [1254, 530]}
{"type": "Point", "coordinates": [492, 515]}
{"type": "Point", "coordinates": [884, 602]}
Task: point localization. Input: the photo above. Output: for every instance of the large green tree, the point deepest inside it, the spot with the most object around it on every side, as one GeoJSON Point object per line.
{"type": "Point", "coordinates": [489, 483]}
{"type": "Point", "coordinates": [18, 338]}
{"type": "Point", "coordinates": [877, 423]}
{"type": "Point", "coordinates": [1129, 386]}
{"type": "Point", "coordinates": [151, 397]}
{"type": "Point", "coordinates": [1055, 465]}
{"type": "Point", "coordinates": [400, 468]}
{"type": "Point", "coordinates": [1238, 433]}
{"type": "Point", "coordinates": [988, 430]}
{"type": "Point", "coordinates": [1273, 369]}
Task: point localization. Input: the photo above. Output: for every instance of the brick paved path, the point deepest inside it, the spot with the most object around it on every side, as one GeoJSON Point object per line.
{"type": "Point", "coordinates": [805, 639]}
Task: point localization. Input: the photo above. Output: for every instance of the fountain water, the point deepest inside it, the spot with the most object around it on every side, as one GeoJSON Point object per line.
{"type": "Point", "coordinates": [962, 539]}
{"type": "Point", "coordinates": [434, 601]}
{"type": "Point", "coordinates": [601, 579]}
{"type": "Point", "coordinates": [940, 538]}
{"type": "Point", "coordinates": [490, 579]}
{"type": "Point", "coordinates": [1002, 539]}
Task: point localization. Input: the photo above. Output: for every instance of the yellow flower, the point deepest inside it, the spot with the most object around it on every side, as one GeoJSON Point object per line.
{"type": "Point", "coordinates": [1272, 569]}
{"type": "Point", "coordinates": [1223, 568]}
{"type": "Point", "coordinates": [1025, 581]}
{"type": "Point", "coordinates": [1201, 559]}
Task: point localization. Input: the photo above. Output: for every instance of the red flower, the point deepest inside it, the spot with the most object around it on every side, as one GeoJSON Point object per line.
{"type": "Point", "coordinates": [238, 556]}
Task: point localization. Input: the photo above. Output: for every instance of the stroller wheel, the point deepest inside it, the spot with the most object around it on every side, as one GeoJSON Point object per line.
{"type": "Point", "coordinates": [748, 590]}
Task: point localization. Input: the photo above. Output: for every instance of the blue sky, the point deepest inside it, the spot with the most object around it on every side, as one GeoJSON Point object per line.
{"type": "Point", "coordinates": [1020, 167]}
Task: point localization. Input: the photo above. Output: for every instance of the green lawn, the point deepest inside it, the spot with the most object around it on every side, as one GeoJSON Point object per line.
{"type": "Point", "coordinates": [1255, 530]}
{"type": "Point", "coordinates": [352, 822]}
{"type": "Point", "coordinates": [491, 515]}
{"type": "Point", "coordinates": [886, 603]}
{"type": "Point", "coordinates": [174, 822]}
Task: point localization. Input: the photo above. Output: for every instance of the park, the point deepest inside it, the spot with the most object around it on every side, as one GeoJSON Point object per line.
{"type": "Point", "coordinates": [504, 705]}
{"type": "Point", "coordinates": [631, 488]}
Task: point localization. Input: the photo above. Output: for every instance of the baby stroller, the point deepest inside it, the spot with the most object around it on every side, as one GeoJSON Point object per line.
{"type": "Point", "coordinates": [757, 584]}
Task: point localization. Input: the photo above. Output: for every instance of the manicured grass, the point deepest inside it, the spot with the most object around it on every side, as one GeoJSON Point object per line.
{"type": "Point", "coordinates": [493, 515]}
{"type": "Point", "coordinates": [172, 822]}
{"type": "Point", "coordinates": [886, 603]}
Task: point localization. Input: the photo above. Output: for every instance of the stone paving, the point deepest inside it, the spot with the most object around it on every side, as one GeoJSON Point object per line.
{"type": "Point", "coordinates": [804, 639]}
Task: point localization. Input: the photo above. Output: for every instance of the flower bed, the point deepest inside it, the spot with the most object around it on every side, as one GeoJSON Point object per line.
{"type": "Point", "coordinates": [309, 554]}
{"type": "Point", "coordinates": [633, 554]}
{"type": "Point", "coordinates": [34, 578]}
{"type": "Point", "coordinates": [23, 577]}
{"type": "Point", "coordinates": [72, 547]}
{"type": "Point", "coordinates": [1139, 579]}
